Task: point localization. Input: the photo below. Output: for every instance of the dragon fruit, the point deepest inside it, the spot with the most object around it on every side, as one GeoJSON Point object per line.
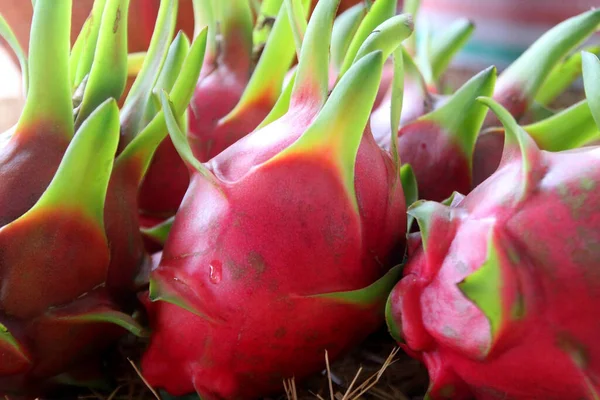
{"type": "Point", "coordinates": [70, 246]}
{"type": "Point", "coordinates": [498, 297]}
{"type": "Point", "coordinates": [521, 82]}
{"type": "Point", "coordinates": [297, 224]}
{"type": "Point", "coordinates": [233, 95]}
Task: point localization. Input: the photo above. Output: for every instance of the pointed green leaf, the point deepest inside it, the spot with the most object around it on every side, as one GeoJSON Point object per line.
{"type": "Point", "coordinates": [135, 61]}
{"type": "Point", "coordinates": [461, 117]}
{"type": "Point", "coordinates": [8, 342]}
{"type": "Point", "coordinates": [338, 128]}
{"type": "Point", "coordinates": [204, 16]}
{"type": "Point", "coordinates": [267, 80]}
{"type": "Point", "coordinates": [426, 212]}
{"type": "Point", "coordinates": [180, 141]}
{"type": "Point", "coordinates": [77, 52]}
{"type": "Point", "coordinates": [539, 112]}
{"type": "Point", "coordinates": [159, 232]}
{"type": "Point", "coordinates": [142, 148]}
{"type": "Point", "coordinates": [412, 7]}
{"type": "Point", "coordinates": [235, 26]}
{"type": "Point", "coordinates": [445, 45]}
{"type": "Point", "coordinates": [591, 82]}
{"type": "Point", "coordinates": [369, 296]}
{"type": "Point", "coordinates": [569, 129]}
{"type": "Point", "coordinates": [381, 11]}
{"type": "Point", "coordinates": [397, 98]}
{"type": "Point", "coordinates": [297, 13]}
{"type": "Point", "coordinates": [562, 77]}
{"type": "Point", "coordinates": [89, 38]}
{"type": "Point", "coordinates": [387, 36]}
{"type": "Point", "coordinates": [484, 288]}
{"type": "Point", "coordinates": [394, 329]}
{"type": "Point", "coordinates": [282, 105]}
{"type": "Point", "coordinates": [264, 21]}
{"type": "Point", "coordinates": [138, 97]}
{"type": "Point", "coordinates": [171, 69]}
{"type": "Point", "coordinates": [49, 96]}
{"type": "Point", "coordinates": [409, 184]}
{"type": "Point", "coordinates": [108, 74]}
{"type": "Point", "coordinates": [7, 34]}
{"type": "Point", "coordinates": [111, 317]}
{"type": "Point", "coordinates": [162, 291]}
{"type": "Point", "coordinates": [531, 69]}
{"type": "Point", "coordinates": [312, 77]}
{"type": "Point", "coordinates": [344, 28]}
{"type": "Point", "coordinates": [423, 56]}
{"type": "Point", "coordinates": [515, 137]}
{"type": "Point", "coordinates": [81, 180]}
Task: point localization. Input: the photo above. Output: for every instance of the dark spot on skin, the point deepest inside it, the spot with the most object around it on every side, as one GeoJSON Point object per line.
{"type": "Point", "coordinates": [280, 332]}
{"type": "Point", "coordinates": [117, 21]}
{"type": "Point", "coordinates": [257, 263]}
{"type": "Point", "coordinates": [576, 350]}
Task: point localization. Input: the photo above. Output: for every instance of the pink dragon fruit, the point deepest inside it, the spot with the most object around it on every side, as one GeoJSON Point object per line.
{"type": "Point", "coordinates": [498, 297]}
{"type": "Point", "coordinates": [68, 233]}
{"type": "Point", "coordinates": [233, 95]}
{"type": "Point", "coordinates": [235, 284]}
{"type": "Point", "coordinates": [519, 84]}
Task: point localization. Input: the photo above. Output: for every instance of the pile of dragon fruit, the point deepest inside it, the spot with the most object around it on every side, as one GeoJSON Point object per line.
{"type": "Point", "coordinates": [288, 181]}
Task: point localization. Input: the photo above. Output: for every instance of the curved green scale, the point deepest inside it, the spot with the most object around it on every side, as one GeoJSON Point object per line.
{"type": "Point", "coordinates": [139, 95]}
{"type": "Point", "coordinates": [49, 100]}
{"type": "Point", "coordinates": [81, 181]}
{"type": "Point", "coordinates": [9, 345]}
{"type": "Point", "coordinates": [515, 136]}
{"type": "Point", "coordinates": [277, 57]}
{"type": "Point", "coordinates": [562, 77]}
{"type": "Point", "coordinates": [9, 36]}
{"type": "Point", "coordinates": [591, 82]}
{"type": "Point", "coordinates": [380, 11]}
{"type": "Point", "coordinates": [159, 232]}
{"type": "Point", "coordinates": [426, 213]}
{"type": "Point", "coordinates": [446, 44]}
{"type": "Point", "coordinates": [143, 146]}
{"type": "Point", "coordinates": [396, 103]}
{"type": "Point", "coordinates": [531, 69]}
{"type": "Point", "coordinates": [569, 129]}
{"type": "Point", "coordinates": [409, 184]}
{"type": "Point", "coordinates": [110, 317]}
{"type": "Point", "coordinates": [297, 13]}
{"type": "Point", "coordinates": [312, 75]}
{"type": "Point", "coordinates": [81, 60]}
{"type": "Point", "coordinates": [204, 16]}
{"type": "Point", "coordinates": [235, 26]}
{"type": "Point", "coordinates": [135, 61]}
{"type": "Point", "coordinates": [375, 293]}
{"type": "Point", "coordinates": [171, 69]}
{"type": "Point", "coordinates": [180, 141]}
{"type": "Point", "coordinates": [338, 128]}
{"type": "Point", "coordinates": [282, 105]}
{"type": "Point", "coordinates": [108, 74]}
{"type": "Point", "coordinates": [387, 36]}
{"type": "Point", "coordinates": [344, 28]}
{"type": "Point", "coordinates": [411, 7]}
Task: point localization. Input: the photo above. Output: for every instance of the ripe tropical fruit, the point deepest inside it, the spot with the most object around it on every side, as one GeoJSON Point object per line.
{"type": "Point", "coordinates": [297, 224]}
{"type": "Point", "coordinates": [70, 246]}
{"type": "Point", "coordinates": [483, 297]}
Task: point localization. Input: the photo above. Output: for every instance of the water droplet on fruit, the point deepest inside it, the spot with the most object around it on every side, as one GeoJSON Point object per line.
{"type": "Point", "coordinates": [216, 271]}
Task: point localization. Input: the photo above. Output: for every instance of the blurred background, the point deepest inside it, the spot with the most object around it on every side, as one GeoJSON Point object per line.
{"type": "Point", "coordinates": [504, 29]}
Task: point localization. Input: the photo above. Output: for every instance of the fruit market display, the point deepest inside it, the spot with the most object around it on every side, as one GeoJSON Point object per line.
{"type": "Point", "coordinates": [247, 204]}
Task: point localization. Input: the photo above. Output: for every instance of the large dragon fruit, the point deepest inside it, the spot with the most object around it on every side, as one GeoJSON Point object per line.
{"type": "Point", "coordinates": [69, 242]}
{"type": "Point", "coordinates": [499, 296]}
{"type": "Point", "coordinates": [283, 241]}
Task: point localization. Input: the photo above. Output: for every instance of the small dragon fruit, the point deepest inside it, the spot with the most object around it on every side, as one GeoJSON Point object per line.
{"type": "Point", "coordinates": [302, 279]}
{"type": "Point", "coordinates": [439, 145]}
{"type": "Point", "coordinates": [69, 242]}
{"type": "Point", "coordinates": [233, 95]}
{"type": "Point", "coordinates": [498, 297]}
{"type": "Point", "coordinates": [518, 86]}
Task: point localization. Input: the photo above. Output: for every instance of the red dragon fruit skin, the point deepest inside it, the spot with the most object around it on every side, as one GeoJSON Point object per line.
{"type": "Point", "coordinates": [346, 209]}
{"type": "Point", "coordinates": [439, 145]}
{"type": "Point", "coordinates": [482, 301]}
